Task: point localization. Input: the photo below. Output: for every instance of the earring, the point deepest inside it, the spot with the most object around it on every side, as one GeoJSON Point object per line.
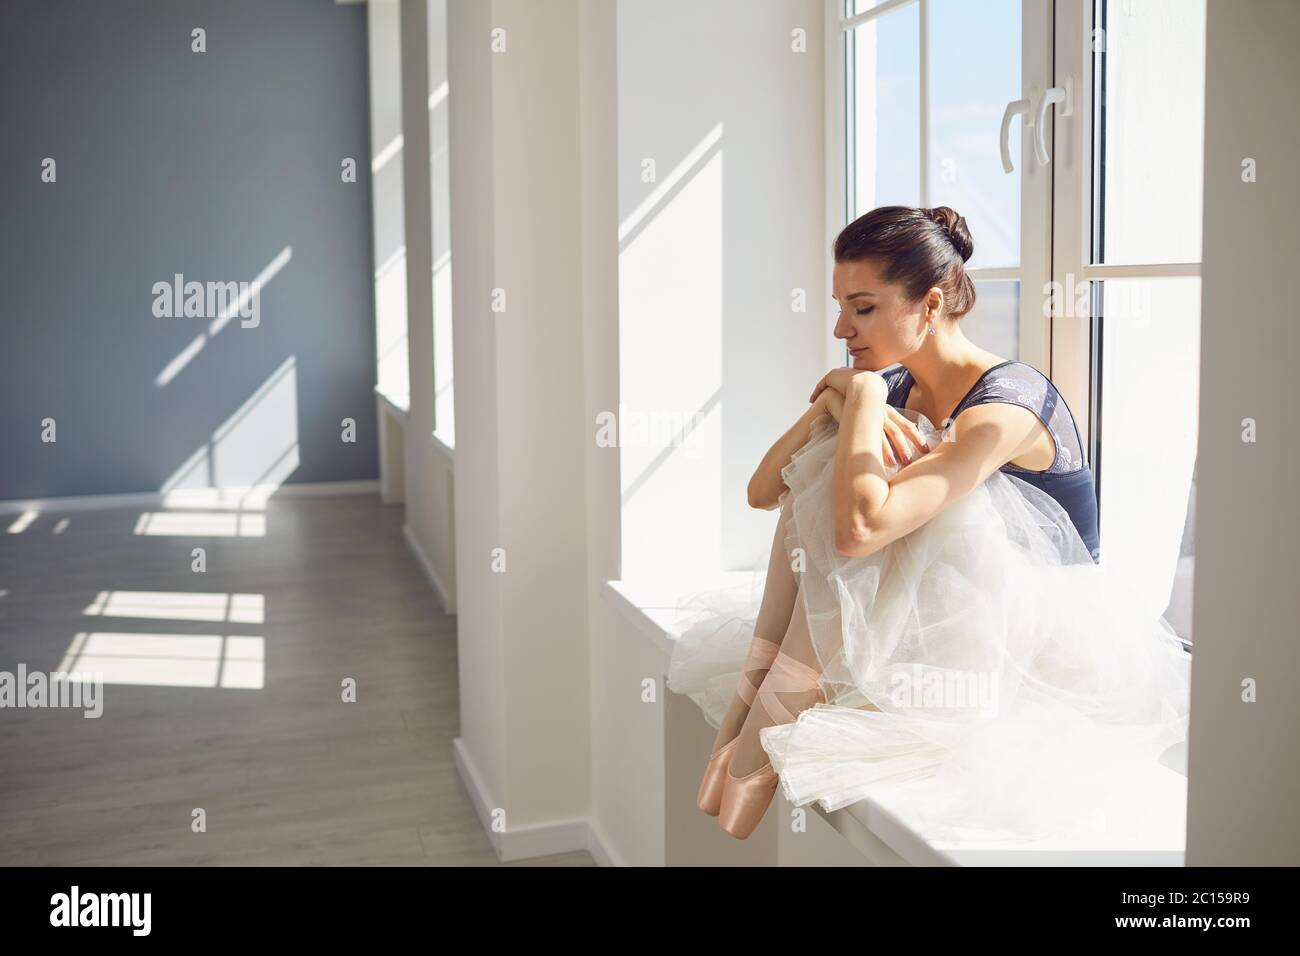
{"type": "Point", "coordinates": [932, 329]}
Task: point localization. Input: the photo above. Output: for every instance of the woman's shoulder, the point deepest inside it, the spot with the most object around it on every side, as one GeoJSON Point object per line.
{"type": "Point", "coordinates": [1008, 385]}
{"type": "Point", "coordinates": [1018, 383]}
{"type": "Point", "coordinates": [1010, 378]}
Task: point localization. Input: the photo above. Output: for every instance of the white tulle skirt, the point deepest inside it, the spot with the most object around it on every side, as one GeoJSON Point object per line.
{"type": "Point", "coordinates": [982, 667]}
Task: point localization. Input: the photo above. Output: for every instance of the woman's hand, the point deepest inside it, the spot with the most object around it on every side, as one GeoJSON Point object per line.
{"type": "Point", "coordinates": [832, 403]}
{"type": "Point", "coordinates": [901, 442]}
{"type": "Point", "coordinates": [841, 379]}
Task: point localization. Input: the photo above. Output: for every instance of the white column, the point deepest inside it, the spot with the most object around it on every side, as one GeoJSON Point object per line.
{"type": "Point", "coordinates": [521, 441]}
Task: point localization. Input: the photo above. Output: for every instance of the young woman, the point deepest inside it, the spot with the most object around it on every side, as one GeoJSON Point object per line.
{"type": "Point", "coordinates": [932, 614]}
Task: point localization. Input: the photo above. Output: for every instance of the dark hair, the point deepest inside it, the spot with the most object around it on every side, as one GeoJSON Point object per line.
{"type": "Point", "coordinates": [920, 249]}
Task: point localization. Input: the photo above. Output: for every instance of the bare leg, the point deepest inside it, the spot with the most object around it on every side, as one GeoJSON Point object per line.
{"type": "Point", "coordinates": [797, 644]}
{"type": "Point", "coordinates": [773, 621]}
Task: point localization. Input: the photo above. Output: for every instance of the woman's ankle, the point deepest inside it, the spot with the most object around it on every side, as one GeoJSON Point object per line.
{"type": "Point", "coordinates": [734, 720]}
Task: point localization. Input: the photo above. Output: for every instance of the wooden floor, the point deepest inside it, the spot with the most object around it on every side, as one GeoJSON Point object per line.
{"type": "Point", "coordinates": [286, 772]}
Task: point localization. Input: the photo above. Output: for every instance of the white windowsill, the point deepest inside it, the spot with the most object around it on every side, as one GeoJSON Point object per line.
{"type": "Point", "coordinates": [396, 404]}
{"type": "Point", "coordinates": [440, 445]}
{"type": "Point", "coordinates": [1154, 835]}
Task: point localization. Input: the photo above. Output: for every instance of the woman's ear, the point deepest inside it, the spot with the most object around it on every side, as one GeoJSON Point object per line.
{"type": "Point", "coordinates": [934, 303]}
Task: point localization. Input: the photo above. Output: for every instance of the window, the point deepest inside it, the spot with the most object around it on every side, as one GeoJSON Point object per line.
{"type": "Point", "coordinates": [444, 412]}
{"type": "Point", "coordinates": [385, 39]}
{"type": "Point", "coordinates": [1069, 135]}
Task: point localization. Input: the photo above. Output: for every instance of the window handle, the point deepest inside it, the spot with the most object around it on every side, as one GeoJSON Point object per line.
{"type": "Point", "coordinates": [1053, 94]}
{"type": "Point", "coordinates": [1014, 108]}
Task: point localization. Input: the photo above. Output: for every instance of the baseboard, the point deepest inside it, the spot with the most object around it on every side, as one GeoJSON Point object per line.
{"type": "Point", "coordinates": [478, 795]}
{"type": "Point", "coordinates": [523, 843]}
{"type": "Point", "coordinates": [423, 561]}
{"type": "Point", "coordinates": [599, 847]}
{"type": "Point", "coordinates": [226, 497]}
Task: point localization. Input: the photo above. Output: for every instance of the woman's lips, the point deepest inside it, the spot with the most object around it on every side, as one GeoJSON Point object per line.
{"type": "Point", "coordinates": [857, 351]}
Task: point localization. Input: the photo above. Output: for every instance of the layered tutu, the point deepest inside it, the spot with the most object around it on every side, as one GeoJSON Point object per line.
{"type": "Point", "coordinates": [982, 667]}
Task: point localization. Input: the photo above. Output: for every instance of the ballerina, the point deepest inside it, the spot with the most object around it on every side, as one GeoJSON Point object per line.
{"type": "Point", "coordinates": [933, 612]}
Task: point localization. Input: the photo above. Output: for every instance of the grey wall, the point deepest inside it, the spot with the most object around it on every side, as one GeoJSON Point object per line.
{"type": "Point", "coordinates": [207, 164]}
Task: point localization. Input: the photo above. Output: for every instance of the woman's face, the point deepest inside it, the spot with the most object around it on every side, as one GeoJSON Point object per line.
{"type": "Point", "coordinates": [876, 322]}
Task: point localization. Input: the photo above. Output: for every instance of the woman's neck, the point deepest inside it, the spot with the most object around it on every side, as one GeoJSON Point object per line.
{"type": "Point", "coordinates": [946, 367]}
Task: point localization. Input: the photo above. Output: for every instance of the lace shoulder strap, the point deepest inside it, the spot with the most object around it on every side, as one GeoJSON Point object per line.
{"type": "Point", "coordinates": [1018, 383]}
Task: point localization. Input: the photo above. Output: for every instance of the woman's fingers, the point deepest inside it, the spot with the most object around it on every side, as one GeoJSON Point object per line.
{"type": "Point", "coordinates": [894, 439]}
{"type": "Point", "coordinates": [909, 430]}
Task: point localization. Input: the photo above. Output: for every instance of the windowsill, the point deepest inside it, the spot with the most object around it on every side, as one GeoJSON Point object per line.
{"type": "Point", "coordinates": [1151, 832]}
{"type": "Point", "coordinates": [397, 403]}
{"type": "Point", "coordinates": [447, 450]}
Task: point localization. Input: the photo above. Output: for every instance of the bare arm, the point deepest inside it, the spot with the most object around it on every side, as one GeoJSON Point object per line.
{"type": "Point", "coordinates": [872, 510]}
{"type": "Point", "coordinates": [901, 443]}
{"type": "Point", "coordinates": [767, 485]}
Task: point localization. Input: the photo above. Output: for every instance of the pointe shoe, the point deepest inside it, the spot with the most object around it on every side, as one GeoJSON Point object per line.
{"type": "Point", "coordinates": [710, 796]}
{"type": "Point", "coordinates": [709, 799]}
{"type": "Point", "coordinates": [745, 799]}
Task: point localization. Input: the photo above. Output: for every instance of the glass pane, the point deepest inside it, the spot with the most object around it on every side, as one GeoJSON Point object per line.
{"type": "Point", "coordinates": [1153, 118]}
{"type": "Point", "coordinates": [1150, 348]}
{"type": "Point", "coordinates": [974, 66]}
{"type": "Point", "coordinates": [994, 323]}
{"type": "Point", "coordinates": [885, 112]}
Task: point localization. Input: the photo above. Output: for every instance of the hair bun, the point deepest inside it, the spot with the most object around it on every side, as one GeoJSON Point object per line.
{"type": "Point", "coordinates": [955, 226]}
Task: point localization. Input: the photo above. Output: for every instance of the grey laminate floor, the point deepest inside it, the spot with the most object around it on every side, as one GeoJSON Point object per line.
{"type": "Point", "coordinates": [285, 771]}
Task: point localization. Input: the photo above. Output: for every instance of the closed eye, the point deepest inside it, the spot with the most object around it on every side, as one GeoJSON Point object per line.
{"type": "Point", "coordinates": [870, 308]}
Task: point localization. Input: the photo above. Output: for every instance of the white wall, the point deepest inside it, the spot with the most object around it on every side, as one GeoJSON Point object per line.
{"type": "Point", "coordinates": [626, 734]}
{"type": "Point", "coordinates": [710, 253]}
{"type": "Point", "coordinates": [1244, 780]}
